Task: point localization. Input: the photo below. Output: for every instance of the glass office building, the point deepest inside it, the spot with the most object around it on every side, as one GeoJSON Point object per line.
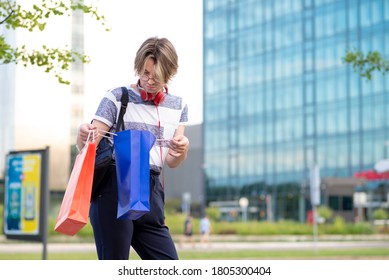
{"type": "Point", "coordinates": [278, 98]}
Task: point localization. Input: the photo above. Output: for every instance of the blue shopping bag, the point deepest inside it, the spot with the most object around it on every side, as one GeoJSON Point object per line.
{"type": "Point", "coordinates": [132, 153]}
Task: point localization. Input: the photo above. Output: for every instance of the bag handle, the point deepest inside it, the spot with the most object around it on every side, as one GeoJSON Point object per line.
{"type": "Point", "coordinates": [124, 101]}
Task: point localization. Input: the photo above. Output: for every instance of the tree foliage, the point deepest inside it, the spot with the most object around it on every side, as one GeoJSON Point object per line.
{"type": "Point", "coordinates": [366, 64]}
{"type": "Point", "coordinates": [54, 60]}
{"type": "Point", "coordinates": [325, 212]}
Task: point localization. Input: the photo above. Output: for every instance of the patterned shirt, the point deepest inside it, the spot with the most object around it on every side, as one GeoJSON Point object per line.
{"type": "Point", "coordinates": [161, 120]}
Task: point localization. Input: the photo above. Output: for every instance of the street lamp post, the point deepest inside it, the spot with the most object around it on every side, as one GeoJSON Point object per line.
{"type": "Point", "coordinates": [315, 196]}
{"type": "Point", "coordinates": [386, 144]}
{"type": "Point", "coordinates": [383, 165]}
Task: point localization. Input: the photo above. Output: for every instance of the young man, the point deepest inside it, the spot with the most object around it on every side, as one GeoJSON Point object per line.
{"type": "Point", "coordinates": [150, 108]}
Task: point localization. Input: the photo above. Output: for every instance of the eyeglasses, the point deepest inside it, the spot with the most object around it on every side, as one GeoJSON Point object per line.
{"type": "Point", "coordinates": [145, 78]}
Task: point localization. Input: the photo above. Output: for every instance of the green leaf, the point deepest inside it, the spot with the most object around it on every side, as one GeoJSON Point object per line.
{"type": "Point", "coordinates": [367, 64]}
{"type": "Point", "coordinates": [52, 60]}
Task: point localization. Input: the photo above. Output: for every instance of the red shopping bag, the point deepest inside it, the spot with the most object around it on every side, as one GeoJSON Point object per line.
{"type": "Point", "coordinates": [74, 211]}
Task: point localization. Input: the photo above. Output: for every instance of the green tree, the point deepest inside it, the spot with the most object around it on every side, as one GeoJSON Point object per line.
{"type": "Point", "coordinates": [366, 64]}
{"type": "Point", "coordinates": [53, 60]}
{"type": "Point", "coordinates": [325, 212]}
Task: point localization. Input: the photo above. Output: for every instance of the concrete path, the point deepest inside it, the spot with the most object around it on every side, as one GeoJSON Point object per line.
{"type": "Point", "coordinates": [213, 246]}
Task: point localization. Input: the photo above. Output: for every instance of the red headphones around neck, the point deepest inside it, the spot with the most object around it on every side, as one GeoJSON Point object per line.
{"type": "Point", "coordinates": [147, 96]}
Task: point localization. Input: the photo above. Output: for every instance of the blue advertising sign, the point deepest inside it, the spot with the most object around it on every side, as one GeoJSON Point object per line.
{"type": "Point", "coordinates": [25, 194]}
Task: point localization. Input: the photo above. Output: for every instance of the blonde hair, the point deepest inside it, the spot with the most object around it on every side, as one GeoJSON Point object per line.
{"type": "Point", "coordinates": [162, 51]}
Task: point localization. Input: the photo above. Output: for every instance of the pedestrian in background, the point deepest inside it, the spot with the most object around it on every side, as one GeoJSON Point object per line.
{"type": "Point", "coordinates": [188, 232]}
{"type": "Point", "coordinates": [205, 229]}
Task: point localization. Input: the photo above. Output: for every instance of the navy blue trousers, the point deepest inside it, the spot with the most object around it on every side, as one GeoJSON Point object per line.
{"type": "Point", "coordinates": [148, 235]}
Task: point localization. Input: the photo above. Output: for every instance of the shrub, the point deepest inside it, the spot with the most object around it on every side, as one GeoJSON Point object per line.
{"type": "Point", "coordinates": [325, 212]}
{"type": "Point", "coordinates": [213, 213]}
{"type": "Point", "coordinates": [224, 228]}
{"type": "Point", "coordinates": [338, 227]}
{"type": "Point", "coordinates": [172, 205]}
{"type": "Point", "coordinates": [175, 222]}
{"type": "Point", "coordinates": [380, 214]}
{"type": "Point", "coordinates": [360, 228]}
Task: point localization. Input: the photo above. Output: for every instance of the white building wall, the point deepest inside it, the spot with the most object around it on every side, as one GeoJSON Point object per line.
{"type": "Point", "coordinates": [34, 107]}
{"type": "Point", "coordinates": [7, 108]}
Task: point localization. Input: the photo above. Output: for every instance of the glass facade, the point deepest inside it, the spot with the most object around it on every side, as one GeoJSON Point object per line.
{"type": "Point", "coordinates": [278, 98]}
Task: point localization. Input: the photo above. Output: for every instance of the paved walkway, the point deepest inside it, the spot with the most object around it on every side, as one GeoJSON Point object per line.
{"type": "Point", "coordinates": [17, 247]}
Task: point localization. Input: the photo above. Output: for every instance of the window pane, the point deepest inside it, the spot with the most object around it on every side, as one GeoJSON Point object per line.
{"type": "Point", "coordinates": [333, 202]}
